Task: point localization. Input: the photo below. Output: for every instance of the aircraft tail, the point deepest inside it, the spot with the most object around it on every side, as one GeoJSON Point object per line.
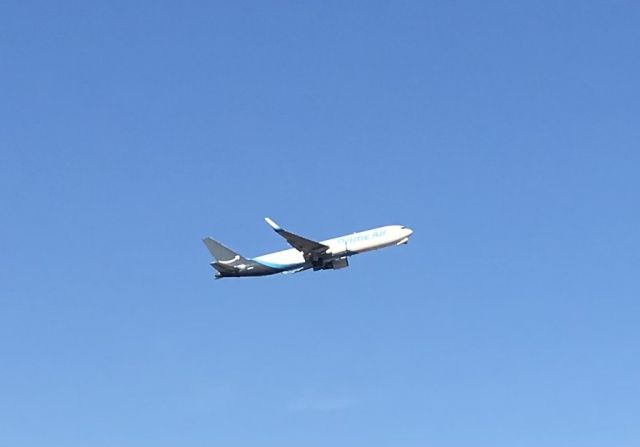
{"type": "Point", "coordinates": [222, 254]}
{"type": "Point", "coordinates": [227, 262]}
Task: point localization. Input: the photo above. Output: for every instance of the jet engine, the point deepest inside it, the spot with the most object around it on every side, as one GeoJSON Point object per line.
{"type": "Point", "coordinates": [333, 264]}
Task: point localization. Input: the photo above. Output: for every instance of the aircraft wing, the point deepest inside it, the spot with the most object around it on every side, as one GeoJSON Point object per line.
{"type": "Point", "coordinates": [310, 249]}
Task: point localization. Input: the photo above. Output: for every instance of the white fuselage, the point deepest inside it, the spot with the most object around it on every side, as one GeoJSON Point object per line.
{"type": "Point", "coordinates": [342, 246]}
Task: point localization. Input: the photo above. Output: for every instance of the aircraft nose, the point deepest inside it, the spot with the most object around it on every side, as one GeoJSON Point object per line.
{"type": "Point", "coordinates": [408, 231]}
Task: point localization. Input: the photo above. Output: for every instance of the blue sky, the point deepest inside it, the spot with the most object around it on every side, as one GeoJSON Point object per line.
{"type": "Point", "coordinates": [504, 133]}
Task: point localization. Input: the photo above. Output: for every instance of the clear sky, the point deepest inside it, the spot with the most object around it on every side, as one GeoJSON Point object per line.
{"type": "Point", "coordinates": [506, 134]}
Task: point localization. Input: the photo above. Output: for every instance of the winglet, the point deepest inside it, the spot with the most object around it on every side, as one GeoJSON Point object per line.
{"type": "Point", "coordinates": [272, 224]}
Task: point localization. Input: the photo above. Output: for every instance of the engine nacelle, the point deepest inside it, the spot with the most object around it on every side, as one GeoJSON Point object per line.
{"type": "Point", "coordinates": [332, 264]}
{"type": "Point", "coordinates": [336, 264]}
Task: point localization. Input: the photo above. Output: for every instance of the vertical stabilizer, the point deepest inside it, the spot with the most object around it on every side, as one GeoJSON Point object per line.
{"type": "Point", "coordinates": [222, 254]}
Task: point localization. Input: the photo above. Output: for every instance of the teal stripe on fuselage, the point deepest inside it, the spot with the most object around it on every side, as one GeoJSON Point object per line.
{"type": "Point", "coordinates": [279, 266]}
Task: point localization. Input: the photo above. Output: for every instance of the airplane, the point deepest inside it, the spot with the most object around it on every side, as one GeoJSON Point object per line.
{"type": "Point", "coordinates": [331, 254]}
